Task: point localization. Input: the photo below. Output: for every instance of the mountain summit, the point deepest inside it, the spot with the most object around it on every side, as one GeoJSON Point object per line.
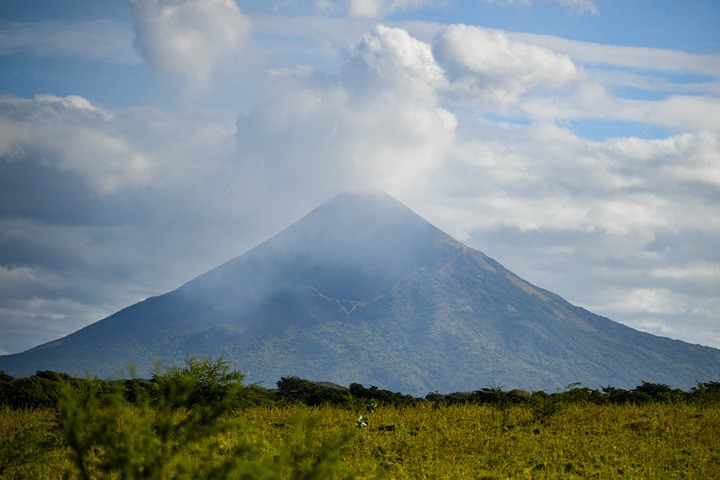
{"type": "Point", "coordinates": [364, 290]}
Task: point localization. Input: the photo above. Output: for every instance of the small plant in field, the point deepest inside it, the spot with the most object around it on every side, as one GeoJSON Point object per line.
{"type": "Point", "coordinates": [361, 422]}
{"type": "Point", "coordinates": [370, 407]}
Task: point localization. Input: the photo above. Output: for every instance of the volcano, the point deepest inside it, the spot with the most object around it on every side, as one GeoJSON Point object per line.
{"type": "Point", "coordinates": [364, 290]}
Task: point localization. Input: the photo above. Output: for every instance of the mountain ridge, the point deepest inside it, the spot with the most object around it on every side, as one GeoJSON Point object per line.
{"type": "Point", "coordinates": [362, 289]}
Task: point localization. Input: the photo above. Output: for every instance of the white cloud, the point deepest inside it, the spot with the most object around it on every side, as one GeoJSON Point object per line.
{"type": "Point", "coordinates": [72, 104]}
{"type": "Point", "coordinates": [488, 69]}
{"type": "Point", "coordinates": [680, 113]}
{"type": "Point", "coordinates": [378, 123]}
{"type": "Point", "coordinates": [543, 176]}
{"type": "Point", "coordinates": [365, 8]}
{"type": "Point", "coordinates": [661, 301]}
{"type": "Point", "coordinates": [636, 58]}
{"type": "Point", "coordinates": [192, 39]}
{"type": "Point", "coordinates": [698, 272]}
{"type": "Point", "coordinates": [379, 8]}
{"type": "Point", "coordinates": [111, 152]}
{"type": "Point", "coordinates": [72, 134]}
{"type": "Point", "coordinates": [689, 158]}
{"type": "Point", "coordinates": [676, 101]}
{"type": "Point", "coordinates": [592, 101]}
{"type": "Point", "coordinates": [389, 59]}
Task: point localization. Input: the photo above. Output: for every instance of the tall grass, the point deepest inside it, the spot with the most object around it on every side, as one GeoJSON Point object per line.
{"type": "Point", "coordinates": [658, 440]}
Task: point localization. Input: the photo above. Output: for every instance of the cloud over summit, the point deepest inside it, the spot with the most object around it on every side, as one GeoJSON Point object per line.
{"type": "Point", "coordinates": [378, 122]}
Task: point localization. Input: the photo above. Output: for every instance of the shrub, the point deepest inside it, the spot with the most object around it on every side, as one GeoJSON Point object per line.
{"type": "Point", "coordinates": [177, 433]}
{"type": "Point", "coordinates": [201, 382]}
{"type": "Point", "coordinates": [152, 437]}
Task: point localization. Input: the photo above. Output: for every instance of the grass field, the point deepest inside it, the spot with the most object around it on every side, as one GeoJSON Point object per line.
{"type": "Point", "coordinates": [654, 440]}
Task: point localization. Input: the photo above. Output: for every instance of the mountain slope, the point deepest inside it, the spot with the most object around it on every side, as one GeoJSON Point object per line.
{"type": "Point", "coordinates": [364, 290]}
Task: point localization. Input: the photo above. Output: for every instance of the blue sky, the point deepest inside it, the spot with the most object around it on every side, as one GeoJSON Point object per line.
{"type": "Point", "coordinates": [144, 142]}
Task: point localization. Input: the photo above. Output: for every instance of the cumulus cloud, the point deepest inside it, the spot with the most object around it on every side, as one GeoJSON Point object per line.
{"type": "Point", "coordinates": [389, 59]}
{"type": "Point", "coordinates": [487, 68]}
{"type": "Point", "coordinates": [378, 122]}
{"type": "Point", "coordinates": [545, 177]}
{"type": "Point", "coordinates": [191, 39]}
{"type": "Point", "coordinates": [71, 134]}
{"type": "Point", "coordinates": [670, 89]}
{"type": "Point", "coordinates": [688, 158]}
{"type": "Point", "coordinates": [110, 153]}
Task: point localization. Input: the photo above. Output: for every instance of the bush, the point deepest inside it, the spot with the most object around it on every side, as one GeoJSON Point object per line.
{"type": "Point", "coordinates": [145, 429]}
{"type": "Point", "coordinates": [201, 382]}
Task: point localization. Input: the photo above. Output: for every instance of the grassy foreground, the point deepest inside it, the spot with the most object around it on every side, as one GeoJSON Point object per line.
{"type": "Point", "coordinates": [121, 440]}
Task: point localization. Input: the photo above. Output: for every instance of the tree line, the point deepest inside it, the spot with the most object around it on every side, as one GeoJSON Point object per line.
{"type": "Point", "coordinates": [207, 382]}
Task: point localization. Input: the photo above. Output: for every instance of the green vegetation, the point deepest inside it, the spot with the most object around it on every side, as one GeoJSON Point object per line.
{"type": "Point", "coordinates": [201, 421]}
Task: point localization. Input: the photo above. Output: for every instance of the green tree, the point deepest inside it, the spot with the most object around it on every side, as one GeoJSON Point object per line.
{"type": "Point", "coordinates": [201, 382]}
